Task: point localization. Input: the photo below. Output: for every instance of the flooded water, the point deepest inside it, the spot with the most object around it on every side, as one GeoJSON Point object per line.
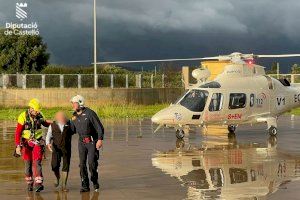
{"type": "Point", "coordinates": [137, 164]}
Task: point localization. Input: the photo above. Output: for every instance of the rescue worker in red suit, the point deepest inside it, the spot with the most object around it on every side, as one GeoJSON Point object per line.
{"type": "Point", "coordinates": [30, 144]}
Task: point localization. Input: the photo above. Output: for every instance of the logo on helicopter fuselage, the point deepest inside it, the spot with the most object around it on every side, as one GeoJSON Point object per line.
{"type": "Point", "coordinates": [260, 99]}
{"type": "Point", "coordinates": [178, 116]}
{"type": "Point", "coordinates": [234, 71]}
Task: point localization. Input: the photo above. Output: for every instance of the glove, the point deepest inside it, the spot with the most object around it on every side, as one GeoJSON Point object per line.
{"type": "Point", "coordinates": [18, 151]}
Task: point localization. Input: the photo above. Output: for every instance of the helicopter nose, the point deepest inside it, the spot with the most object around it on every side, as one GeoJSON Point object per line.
{"type": "Point", "coordinates": [155, 118]}
{"type": "Point", "coordinates": [164, 116]}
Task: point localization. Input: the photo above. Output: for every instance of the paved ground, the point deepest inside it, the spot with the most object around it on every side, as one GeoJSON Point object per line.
{"type": "Point", "coordinates": [137, 164]}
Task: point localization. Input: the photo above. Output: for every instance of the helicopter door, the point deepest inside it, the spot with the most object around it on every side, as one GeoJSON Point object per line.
{"type": "Point", "coordinates": [237, 107]}
{"type": "Point", "coordinates": [215, 107]}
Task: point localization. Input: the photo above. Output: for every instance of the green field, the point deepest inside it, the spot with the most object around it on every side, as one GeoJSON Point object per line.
{"type": "Point", "coordinates": [295, 111]}
{"type": "Point", "coordinates": [104, 112]}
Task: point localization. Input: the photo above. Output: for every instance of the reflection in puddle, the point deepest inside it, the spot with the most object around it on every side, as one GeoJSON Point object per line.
{"type": "Point", "coordinates": [60, 195]}
{"type": "Point", "coordinates": [227, 169]}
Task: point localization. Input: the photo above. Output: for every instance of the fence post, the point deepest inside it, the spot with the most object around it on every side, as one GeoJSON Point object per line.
{"type": "Point", "coordinates": [4, 81]}
{"type": "Point", "coordinates": [61, 81]}
{"type": "Point", "coordinates": [152, 85]}
{"type": "Point", "coordinates": [140, 81]}
{"type": "Point", "coordinates": [163, 80]}
{"type": "Point", "coordinates": [43, 81]}
{"type": "Point", "coordinates": [112, 81]}
{"type": "Point", "coordinates": [292, 78]}
{"type": "Point", "coordinates": [79, 80]}
{"type": "Point", "coordinates": [126, 77]}
{"type": "Point", "coordinates": [137, 80]}
{"type": "Point", "coordinates": [24, 81]}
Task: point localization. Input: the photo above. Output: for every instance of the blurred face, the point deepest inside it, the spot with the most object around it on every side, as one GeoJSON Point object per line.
{"type": "Point", "coordinates": [32, 112]}
{"type": "Point", "coordinates": [61, 117]}
{"type": "Point", "coordinates": [75, 106]}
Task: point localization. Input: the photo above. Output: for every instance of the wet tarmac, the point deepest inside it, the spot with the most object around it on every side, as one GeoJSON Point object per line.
{"type": "Point", "coordinates": [137, 164]}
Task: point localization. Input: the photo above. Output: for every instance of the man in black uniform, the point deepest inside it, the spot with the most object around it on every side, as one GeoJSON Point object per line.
{"type": "Point", "coordinates": [86, 123]}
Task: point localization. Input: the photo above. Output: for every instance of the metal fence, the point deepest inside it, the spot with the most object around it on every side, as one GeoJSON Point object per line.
{"type": "Point", "coordinates": [292, 78]}
{"type": "Point", "coordinates": [87, 81]}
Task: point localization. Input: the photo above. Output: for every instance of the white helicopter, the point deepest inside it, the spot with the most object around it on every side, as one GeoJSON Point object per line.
{"type": "Point", "coordinates": [242, 94]}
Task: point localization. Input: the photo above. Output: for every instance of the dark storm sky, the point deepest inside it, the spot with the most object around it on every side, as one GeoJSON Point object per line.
{"type": "Point", "coordinates": [157, 29]}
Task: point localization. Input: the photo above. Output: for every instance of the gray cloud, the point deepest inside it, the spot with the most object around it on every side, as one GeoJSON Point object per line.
{"type": "Point", "coordinates": [143, 29]}
{"type": "Point", "coordinates": [175, 15]}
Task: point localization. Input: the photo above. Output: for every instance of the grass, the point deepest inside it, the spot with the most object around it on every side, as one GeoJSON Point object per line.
{"type": "Point", "coordinates": [105, 112]}
{"type": "Point", "coordinates": [295, 111]}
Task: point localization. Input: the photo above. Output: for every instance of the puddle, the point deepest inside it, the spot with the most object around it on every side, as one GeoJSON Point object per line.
{"type": "Point", "coordinates": [135, 163]}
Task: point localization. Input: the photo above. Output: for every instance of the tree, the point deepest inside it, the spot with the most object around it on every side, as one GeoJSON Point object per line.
{"type": "Point", "coordinates": [295, 69]}
{"type": "Point", "coordinates": [273, 69]}
{"type": "Point", "coordinates": [22, 53]}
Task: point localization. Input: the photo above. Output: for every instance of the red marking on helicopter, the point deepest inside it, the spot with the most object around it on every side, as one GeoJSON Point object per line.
{"type": "Point", "coordinates": [260, 100]}
{"type": "Point", "coordinates": [234, 116]}
{"type": "Point", "coordinates": [263, 95]}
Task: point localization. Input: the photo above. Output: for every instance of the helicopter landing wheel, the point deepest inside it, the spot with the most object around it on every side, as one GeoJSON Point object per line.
{"type": "Point", "coordinates": [231, 128]}
{"type": "Point", "coordinates": [273, 131]}
{"type": "Point", "coordinates": [179, 134]}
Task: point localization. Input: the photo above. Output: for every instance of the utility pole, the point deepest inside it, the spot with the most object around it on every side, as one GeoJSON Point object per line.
{"type": "Point", "coordinates": [95, 47]}
{"type": "Point", "coordinates": [278, 70]}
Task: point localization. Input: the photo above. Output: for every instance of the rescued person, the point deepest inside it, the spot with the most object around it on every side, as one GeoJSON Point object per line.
{"type": "Point", "coordinates": [86, 123]}
{"type": "Point", "coordinates": [60, 133]}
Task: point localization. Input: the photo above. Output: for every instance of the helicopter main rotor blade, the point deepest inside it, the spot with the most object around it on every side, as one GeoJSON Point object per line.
{"type": "Point", "coordinates": [220, 58]}
{"type": "Point", "coordinates": [278, 56]}
{"type": "Point", "coordinates": [162, 60]}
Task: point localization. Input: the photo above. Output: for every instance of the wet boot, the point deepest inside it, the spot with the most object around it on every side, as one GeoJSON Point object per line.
{"type": "Point", "coordinates": [96, 186]}
{"type": "Point", "coordinates": [39, 188]}
{"type": "Point", "coordinates": [57, 175]}
{"type": "Point", "coordinates": [64, 180]}
{"type": "Point", "coordinates": [30, 187]}
{"type": "Point", "coordinates": [84, 189]}
{"type": "Point", "coordinates": [85, 186]}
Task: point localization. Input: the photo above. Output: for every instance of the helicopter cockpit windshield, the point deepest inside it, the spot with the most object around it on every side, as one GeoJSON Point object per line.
{"type": "Point", "coordinates": [195, 100]}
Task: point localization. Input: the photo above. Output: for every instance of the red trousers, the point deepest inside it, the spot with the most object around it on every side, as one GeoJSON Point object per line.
{"type": "Point", "coordinates": [32, 155]}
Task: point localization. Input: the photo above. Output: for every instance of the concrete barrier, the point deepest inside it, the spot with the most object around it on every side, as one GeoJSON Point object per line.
{"type": "Point", "coordinates": [61, 97]}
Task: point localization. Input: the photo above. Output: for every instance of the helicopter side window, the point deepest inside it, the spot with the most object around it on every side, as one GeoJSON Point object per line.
{"type": "Point", "coordinates": [217, 176]}
{"type": "Point", "coordinates": [252, 97]}
{"type": "Point", "coordinates": [195, 100]}
{"type": "Point", "coordinates": [238, 175]}
{"type": "Point", "coordinates": [216, 102]}
{"type": "Point", "coordinates": [237, 100]}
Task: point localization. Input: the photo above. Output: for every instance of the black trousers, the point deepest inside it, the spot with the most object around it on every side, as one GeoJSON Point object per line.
{"type": "Point", "coordinates": [88, 153]}
{"type": "Point", "coordinates": [57, 155]}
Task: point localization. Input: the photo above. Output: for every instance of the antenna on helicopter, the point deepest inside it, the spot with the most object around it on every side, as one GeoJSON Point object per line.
{"type": "Point", "coordinates": [235, 57]}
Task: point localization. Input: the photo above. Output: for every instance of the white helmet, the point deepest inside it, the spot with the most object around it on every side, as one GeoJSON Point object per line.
{"type": "Point", "coordinates": [78, 99]}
